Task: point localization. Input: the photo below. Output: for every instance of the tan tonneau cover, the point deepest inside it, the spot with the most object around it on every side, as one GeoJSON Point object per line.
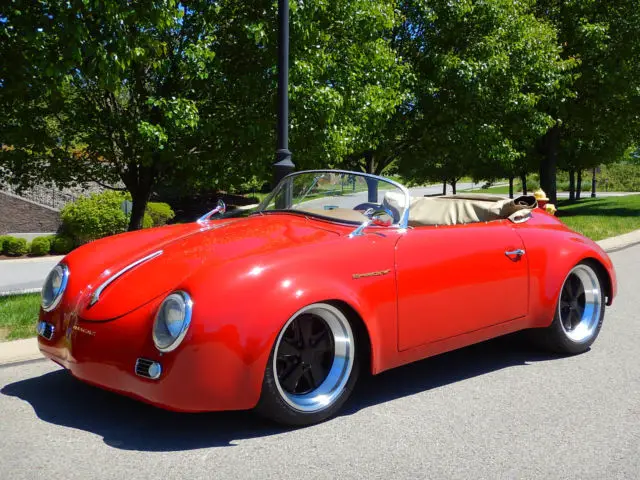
{"type": "Point", "coordinates": [462, 209]}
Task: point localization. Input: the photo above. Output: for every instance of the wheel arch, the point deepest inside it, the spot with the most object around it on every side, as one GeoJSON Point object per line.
{"type": "Point", "coordinates": [362, 331]}
{"type": "Point", "coordinates": [604, 274]}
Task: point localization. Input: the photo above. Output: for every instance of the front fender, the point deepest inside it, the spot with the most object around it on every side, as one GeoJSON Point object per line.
{"type": "Point", "coordinates": [242, 306]}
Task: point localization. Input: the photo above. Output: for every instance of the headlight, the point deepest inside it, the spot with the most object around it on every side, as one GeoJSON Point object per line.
{"type": "Point", "coordinates": [54, 287]}
{"type": "Point", "coordinates": [172, 321]}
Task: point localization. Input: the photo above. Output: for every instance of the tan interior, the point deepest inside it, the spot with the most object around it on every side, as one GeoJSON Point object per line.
{"type": "Point", "coordinates": [445, 210]}
{"type": "Point", "coordinates": [462, 209]}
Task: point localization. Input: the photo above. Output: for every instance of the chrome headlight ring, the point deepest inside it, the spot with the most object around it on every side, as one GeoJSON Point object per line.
{"type": "Point", "coordinates": [54, 287]}
{"type": "Point", "coordinates": [172, 321]}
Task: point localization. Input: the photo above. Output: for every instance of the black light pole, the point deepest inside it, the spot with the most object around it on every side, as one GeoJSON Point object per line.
{"type": "Point", "coordinates": [283, 165]}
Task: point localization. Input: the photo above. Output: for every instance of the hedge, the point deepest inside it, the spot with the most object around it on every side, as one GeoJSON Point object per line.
{"type": "Point", "coordinates": [161, 213]}
{"type": "Point", "coordinates": [15, 247]}
{"type": "Point", "coordinates": [40, 246]}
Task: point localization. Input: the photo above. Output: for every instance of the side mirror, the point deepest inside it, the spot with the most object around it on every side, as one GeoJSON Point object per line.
{"type": "Point", "coordinates": [382, 218]}
{"type": "Point", "coordinates": [221, 207]}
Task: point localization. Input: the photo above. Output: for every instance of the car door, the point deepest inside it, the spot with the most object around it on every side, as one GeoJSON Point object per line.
{"type": "Point", "coordinates": [456, 279]}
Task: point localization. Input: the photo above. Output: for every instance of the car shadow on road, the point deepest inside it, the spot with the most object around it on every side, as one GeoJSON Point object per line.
{"type": "Point", "coordinates": [58, 398]}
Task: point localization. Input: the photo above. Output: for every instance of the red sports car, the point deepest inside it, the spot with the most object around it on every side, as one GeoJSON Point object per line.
{"type": "Point", "coordinates": [335, 273]}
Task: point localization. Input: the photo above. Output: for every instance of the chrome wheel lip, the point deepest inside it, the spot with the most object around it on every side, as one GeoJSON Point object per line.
{"type": "Point", "coordinates": [588, 324]}
{"type": "Point", "coordinates": [333, 385]}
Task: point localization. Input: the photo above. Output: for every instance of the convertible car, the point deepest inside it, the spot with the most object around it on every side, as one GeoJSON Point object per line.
{"type": "Point", "coordinates": [281, 307]}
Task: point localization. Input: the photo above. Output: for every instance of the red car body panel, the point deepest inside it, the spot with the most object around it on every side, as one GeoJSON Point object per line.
{"type": "Point", "coordinates": [418, 292]}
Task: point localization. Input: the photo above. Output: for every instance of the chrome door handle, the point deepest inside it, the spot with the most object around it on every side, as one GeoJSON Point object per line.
{"type": "Point", "coordinates": [515, 253]}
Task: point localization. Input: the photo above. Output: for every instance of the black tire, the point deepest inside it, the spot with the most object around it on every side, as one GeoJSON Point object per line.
{"type": "Point", "coordinates": [559, 337]}
{"type": "Point", "coordinates": [286, 406]}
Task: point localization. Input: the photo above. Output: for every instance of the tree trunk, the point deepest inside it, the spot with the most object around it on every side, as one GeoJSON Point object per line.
{"type": "Point", "coordinates": [572, 185]}
{"type": "Point", "coordinates": [523, 179]}
{"type": "Point", "coordinates": [444, 187]}
{"type": "Point", "coordinates": [549, 163]}
{"type": "Point", "coordinates": [371, 162]}
{"type": "Point", "coordinates": [579, 184]}
{"type": "Point", "coordinates": [510, 187]}
{"type": "Point", "coordinates": [139, 183]}
{"type": "Point", "coordinates": [593, 184]}
{"type": "Point", "coordinates": [454, 182]}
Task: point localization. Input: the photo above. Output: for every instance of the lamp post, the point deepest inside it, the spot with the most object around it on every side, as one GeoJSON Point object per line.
{"type": "Point", "coordinates": [283, 165]}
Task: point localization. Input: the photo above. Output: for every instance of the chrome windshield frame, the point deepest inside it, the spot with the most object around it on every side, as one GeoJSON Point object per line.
{"type": "Point", "coordinates": [404, 220]}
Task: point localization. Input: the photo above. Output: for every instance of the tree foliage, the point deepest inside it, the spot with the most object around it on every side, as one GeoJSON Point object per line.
{"type": "Point", "coordinates": [597, 123]}
{"type": "Point", "coordinates": [164, 91]}
{"type": "Point", "coordinates": [482, 69]}
{"type": "Point", "coordinates": [183, 94]}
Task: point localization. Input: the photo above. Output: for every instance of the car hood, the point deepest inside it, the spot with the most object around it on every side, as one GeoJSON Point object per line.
{"type": "Point", "coordinates": [184, 253]}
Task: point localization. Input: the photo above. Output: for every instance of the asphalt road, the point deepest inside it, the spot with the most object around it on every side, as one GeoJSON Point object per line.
{"type": "Point", "coordinates": [495, 410]}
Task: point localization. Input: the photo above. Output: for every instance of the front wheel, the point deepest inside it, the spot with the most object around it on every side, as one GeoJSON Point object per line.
{"type": "Point", "coordinates": [579, 312]}
{"type": "Point", "coordinates": [312, 368]}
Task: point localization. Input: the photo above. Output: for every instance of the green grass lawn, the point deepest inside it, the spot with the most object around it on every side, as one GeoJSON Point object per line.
{"type": "Point", "coordinates": [18, 316]}
{"type": "Point", "coordinates": [599, 218]}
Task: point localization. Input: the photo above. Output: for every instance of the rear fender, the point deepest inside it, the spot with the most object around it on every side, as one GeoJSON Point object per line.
{"type": "Point", "coordinates": [552, 254]}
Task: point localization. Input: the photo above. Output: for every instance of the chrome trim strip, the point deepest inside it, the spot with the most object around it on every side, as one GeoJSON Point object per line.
{"type": "Point", "coordinates": [96, 295]}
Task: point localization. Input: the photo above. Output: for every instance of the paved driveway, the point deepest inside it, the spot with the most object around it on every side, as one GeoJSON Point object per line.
{"type": "Point", "coordinates": [495, 410]}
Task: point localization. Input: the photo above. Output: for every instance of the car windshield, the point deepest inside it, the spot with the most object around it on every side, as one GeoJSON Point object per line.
{"type": "Point", "coordinates": [337, 195]}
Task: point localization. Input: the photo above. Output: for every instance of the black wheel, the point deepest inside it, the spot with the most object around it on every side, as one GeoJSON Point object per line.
{"type": "Point", "coordinates": [312, 368]}
{"type": "Point", "coordinates": [579, 313]}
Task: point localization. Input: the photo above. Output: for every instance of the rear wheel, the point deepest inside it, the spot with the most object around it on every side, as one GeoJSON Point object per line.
{"type": "Point", "coordinates": [579, 312]}
{"type": "Point", "coordinates": [312, 368]}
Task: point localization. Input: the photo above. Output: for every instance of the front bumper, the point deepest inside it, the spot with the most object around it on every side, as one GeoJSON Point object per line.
{"type": "Point", "coordinates": [205, 373]}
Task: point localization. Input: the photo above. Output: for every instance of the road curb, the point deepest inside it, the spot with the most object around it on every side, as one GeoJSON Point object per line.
{"type": "Point", "coordinates": [19, 351]}
{"type": "Point", "coordinates": [614, 244]}
{"type": "Point", "coordinates": [24, 291]}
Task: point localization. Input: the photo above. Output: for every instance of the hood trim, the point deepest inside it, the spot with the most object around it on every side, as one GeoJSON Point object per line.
{"type": "Point", "coordinates": [96, 295]}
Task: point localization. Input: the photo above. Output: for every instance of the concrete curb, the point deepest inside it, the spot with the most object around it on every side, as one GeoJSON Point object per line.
{"type": "Point", "coordinates": [24, 291]}
{"type": "Point", "coordinates": [613, 244]}
{"type": "Point", "coordinates": [19, 351]}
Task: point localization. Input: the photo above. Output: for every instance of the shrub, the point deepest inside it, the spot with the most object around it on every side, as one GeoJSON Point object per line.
{"type": "Point", "coordinates": [61, 245]}
{"type": "Point", "coordinates": [40, 246]}
{"type": "Point", "coordinates": [97, 216]}
{"type": "Point", "coordinates": [3, 239]}
{"type": "Point", "coordinates": [15, 247]}
{"type": "Point", "coordinates": [160, 213]}
{"type": "Point", "coordinates": [147, 221]}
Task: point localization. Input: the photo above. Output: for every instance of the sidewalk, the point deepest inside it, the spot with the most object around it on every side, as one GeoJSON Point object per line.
{"type": "Point", "coordinates": [25, 350]}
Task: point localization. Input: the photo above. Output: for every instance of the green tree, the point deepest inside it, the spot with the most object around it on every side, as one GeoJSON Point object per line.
{"type": "Point", "coordinates": [164, 92]}
{"type": "Point", "coordinates": [597, 122]}
{"type": "Point", "coordinates": [481, 71]}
